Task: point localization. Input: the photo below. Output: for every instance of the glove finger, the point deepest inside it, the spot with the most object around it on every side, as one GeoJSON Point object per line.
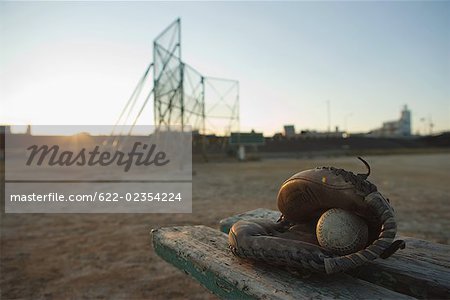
{"type": "Point", "coordinates": [250, 240]}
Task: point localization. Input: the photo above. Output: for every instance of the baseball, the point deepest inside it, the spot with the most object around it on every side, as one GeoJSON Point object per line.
{"type": "Point", "coordinates": [341, 232]}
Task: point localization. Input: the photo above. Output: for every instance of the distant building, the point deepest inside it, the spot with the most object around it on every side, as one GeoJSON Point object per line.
{"type": "Point", "coordinates": [289, 131]}
{"type": "Point", "coordinates": [5, 129]}
{"type": "Point", "coordinates": [278, 136]}
{"type": "Point", "coordinates": [400, 128]}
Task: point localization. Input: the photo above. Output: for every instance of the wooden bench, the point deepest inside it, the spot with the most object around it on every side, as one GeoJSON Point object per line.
{"type": "Point", "coordinates": [422, 270]}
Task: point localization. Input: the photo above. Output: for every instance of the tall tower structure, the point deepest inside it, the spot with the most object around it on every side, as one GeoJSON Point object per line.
{"type": "Point", "coordinates": [405, 122]}
{"type": "Point", "coordinates": [182, 95]}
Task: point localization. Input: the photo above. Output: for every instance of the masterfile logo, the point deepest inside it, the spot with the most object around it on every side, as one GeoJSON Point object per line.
{"type": "Point", "coordinates": [141, 154]}
{"type": "Point", "coordinates": [146, 172]}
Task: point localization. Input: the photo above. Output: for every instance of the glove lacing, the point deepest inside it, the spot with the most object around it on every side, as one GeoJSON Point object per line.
{"type": "Point", "coordinates": [358, 180]}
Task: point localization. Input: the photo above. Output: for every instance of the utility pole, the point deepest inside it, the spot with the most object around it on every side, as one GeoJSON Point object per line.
{"type": "Point", "coordinates": [329, 117]}
{"type": "Point", "coordinates": [424, 126]}
{"type": "Point", "coordinates": [345, 121]}
{"type": "Point", "coordinates": [430, 124]}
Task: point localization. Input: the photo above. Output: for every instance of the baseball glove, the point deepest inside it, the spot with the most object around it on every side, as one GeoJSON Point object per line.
{"type": "Point", "coordinates": [302, 199]}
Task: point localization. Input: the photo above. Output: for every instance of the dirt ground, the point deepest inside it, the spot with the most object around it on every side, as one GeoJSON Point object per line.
{"type": "Point", "coordinates": [110, 255]}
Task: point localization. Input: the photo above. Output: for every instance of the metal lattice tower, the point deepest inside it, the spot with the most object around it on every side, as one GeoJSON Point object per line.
{"type": "Point", "coordinates": [182, 95]}
{"type": "Point", "coordinates": [222, 106]}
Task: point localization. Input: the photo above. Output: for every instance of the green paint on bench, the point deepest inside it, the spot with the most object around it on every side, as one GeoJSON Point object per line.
{"type": "Point", "coordinates": [422, 270]}
{"type": "Point", "coordinates": [206, 277]}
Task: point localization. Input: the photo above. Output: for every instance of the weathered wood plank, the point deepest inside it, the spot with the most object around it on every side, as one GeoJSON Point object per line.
{"type": "Point", "coordinates": [421, 270]}
{"type": "Point", "coordinates": [413, 271]}
{"type": "Point", "coordinates": [203, 253]}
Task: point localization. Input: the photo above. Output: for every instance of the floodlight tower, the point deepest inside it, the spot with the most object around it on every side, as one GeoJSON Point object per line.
{"type": "Point", "coordinates": [178, 88]}
{"type": "Point", "coordinates": [179, 92]}
{"type": "Point", "coordinates": [167, 76]}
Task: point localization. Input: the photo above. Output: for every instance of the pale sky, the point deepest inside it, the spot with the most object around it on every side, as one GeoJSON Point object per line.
{"type": "Point", "coordinates": [77, 63]}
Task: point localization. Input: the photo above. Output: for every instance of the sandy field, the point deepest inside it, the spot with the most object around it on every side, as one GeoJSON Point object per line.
{"type": "Point", "coordinates": [110, 255]}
